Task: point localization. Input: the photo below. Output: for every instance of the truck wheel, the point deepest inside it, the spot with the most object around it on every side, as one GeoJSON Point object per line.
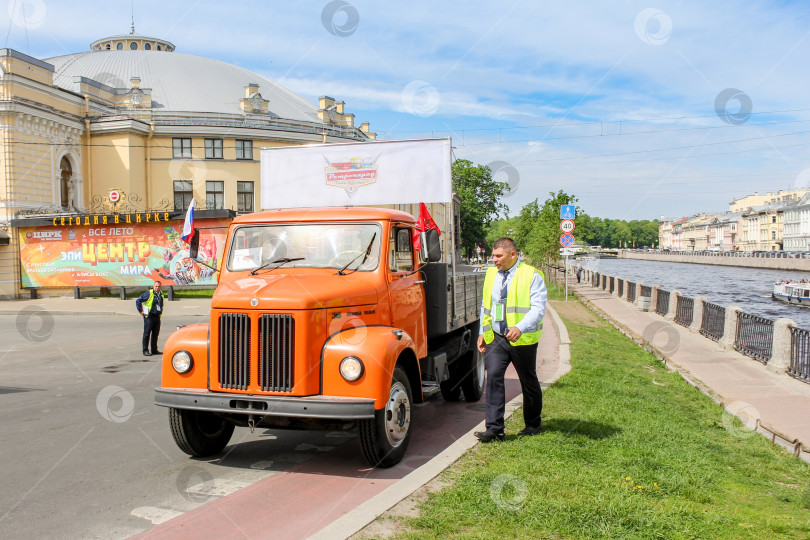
{"type": "Point", "coordinates": [385, 438]}
{"type": "Point", "coordinates": [451, 388]}
{"type": "Point", "coordinates": [474, 375]}
{"type": "Point", "coordinates": [199, 433]}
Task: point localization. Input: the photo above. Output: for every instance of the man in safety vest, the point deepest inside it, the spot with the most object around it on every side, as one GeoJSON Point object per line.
{"type": "Point", "coordinates": [514, 302]}
{"type": "Point", "coordinates": [150, 306]}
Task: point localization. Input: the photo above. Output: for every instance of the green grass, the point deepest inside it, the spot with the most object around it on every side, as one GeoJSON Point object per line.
{"type": "Point", "coordinates": [629, 451]}
{"type": "Point", "coordinates": [135, 292]}
{"type": "Point", "coordinates": [194, 293]}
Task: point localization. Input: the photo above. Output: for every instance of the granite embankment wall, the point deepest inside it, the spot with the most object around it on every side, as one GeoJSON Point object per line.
{"type": "Point", "coordinates": [773, 263]}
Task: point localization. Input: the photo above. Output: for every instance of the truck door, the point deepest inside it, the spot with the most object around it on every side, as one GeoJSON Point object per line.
{"type": "Point", "coordinates": [407, 295]}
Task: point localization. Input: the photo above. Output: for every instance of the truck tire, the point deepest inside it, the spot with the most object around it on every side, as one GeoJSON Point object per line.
{"type": "Point", "coordinates": [199, 433]}
{"type": "Point", "coordinates": [451, 388]}
{"type": "Point", "coordinates": [474, 375]}
{"type": "Point", "coordinates": [385, 438]}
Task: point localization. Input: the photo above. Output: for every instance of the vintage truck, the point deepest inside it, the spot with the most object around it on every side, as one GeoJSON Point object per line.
{"type": "Point", "coordinates": [325, 317]}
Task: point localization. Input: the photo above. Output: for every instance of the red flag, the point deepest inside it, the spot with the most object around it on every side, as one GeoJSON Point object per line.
{"type": "Point", "coordinates": [423, 224]}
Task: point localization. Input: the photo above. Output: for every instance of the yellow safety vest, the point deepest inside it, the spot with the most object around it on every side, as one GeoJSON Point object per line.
{"type": "Point", "coordinates": [149, 301]}
{"type": "Point", "coordinates": [518, 304]}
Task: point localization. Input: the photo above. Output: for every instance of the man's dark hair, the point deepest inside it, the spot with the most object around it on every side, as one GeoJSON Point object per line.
{"type": "Point", "coordinates": [505, 243]}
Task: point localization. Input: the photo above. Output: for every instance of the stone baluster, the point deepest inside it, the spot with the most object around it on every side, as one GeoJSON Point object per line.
{"type": "Point", "coordinates": [780, 349]}
{"type": "Point", "coordinates": [674, 296]}
{"type": "Point", "coordinates": [697, 314]}
{"type": "Point", "coordinates": [730, 327]}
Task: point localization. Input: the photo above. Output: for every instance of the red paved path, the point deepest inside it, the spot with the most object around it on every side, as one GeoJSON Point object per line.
{"type": "Point", "coordinates": [302, 500]}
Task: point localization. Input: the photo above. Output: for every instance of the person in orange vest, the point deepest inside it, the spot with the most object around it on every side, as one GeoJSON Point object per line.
{"type": "Point", "coordinates": [150, 306]}
{"type": "Point", "coordinates": [513, 306]}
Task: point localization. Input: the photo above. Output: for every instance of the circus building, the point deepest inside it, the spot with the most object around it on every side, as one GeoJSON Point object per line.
{"type": "Point", "coordinates": [104, 150]}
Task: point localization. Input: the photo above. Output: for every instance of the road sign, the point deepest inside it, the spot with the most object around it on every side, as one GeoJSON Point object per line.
{"type": "Point", "coordinates": [567, 226]}
{"type": "Point", "coordinates": [567, 240]}
{"type": "Point", "coordinates": [567, 251]}
{"type": "Point", "coordinates": [114, 196]}
{"type": "Point", "coordinates": [568, 211]}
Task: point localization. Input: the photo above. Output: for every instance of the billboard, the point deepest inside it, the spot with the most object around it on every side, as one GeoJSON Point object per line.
{"type": "Point", "coordinates": [118, 254]}
{"type": "Point", "coordinates": [356, 174]}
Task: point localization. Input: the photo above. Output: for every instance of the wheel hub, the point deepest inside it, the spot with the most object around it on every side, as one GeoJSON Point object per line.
{"type": "Point", "coordinates": [397, 415]}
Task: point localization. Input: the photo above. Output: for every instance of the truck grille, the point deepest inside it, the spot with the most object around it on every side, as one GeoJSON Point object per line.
{"type": "Point", "coordinates": [234, 350]}
{"type": "Point", "coordinates": [276, 352]}
{"type": "Point", "coordinates": [276, 358]}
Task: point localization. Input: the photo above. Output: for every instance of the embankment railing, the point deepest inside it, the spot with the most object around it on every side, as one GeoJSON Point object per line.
{"type": "Point", "coordinates": [714, 321]}
{"type": "Point", "coordinates": [662, 302]}
{"type": "Point", "coordinates": [799, 354]}
{"type": "Point", "coordinates": [631, 292]}
{"type": "Point", "coordinates": [685, 311]}
{"type": "Point", "coordinates": [754, 336]}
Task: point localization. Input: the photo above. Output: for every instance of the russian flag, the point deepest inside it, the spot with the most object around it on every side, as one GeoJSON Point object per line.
{"type": "Point", "coordinates": [188, 225]}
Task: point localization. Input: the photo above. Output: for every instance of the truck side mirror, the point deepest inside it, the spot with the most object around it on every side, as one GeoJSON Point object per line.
{"type": "Point", "coordinates": [431, 247]}
{"type": "Point", "coordinates": [194, 244]}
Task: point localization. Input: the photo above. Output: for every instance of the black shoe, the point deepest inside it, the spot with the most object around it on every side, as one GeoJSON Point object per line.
{"type": "Point", "coordinates": [489, 436]}
{"type": "Point", "coordinates": [157, 352]}
{"type": "Point", "coordinates": [147, 353]}
{"type": "Point", "coordinates": [529, 431]}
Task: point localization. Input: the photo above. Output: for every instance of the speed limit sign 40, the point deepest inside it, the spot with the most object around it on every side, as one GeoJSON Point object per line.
{"type": "Point", "coordinates": [567, 226]}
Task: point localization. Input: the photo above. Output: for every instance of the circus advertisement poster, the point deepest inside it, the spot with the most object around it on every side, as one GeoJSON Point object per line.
{"type": "Point", "coordinates": [129, 255]}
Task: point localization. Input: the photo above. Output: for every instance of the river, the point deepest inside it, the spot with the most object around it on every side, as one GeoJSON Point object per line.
{"type": "Point", "coordinates": [749, 288]}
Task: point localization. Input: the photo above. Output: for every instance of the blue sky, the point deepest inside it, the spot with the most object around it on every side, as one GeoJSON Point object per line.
{"type": "Point", "coordinates": [640, 110]}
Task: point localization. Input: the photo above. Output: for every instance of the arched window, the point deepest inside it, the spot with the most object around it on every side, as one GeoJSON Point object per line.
{"type": "Point", "coordinates": [147, 46]}
{"type": "Point", "coordinates": [158, 47]}
{"type": "Point", "coordinates": [65, 183]}
{"type": "Point", "coordinates": [108, 46]}
{"type": "Point", "coordinates": [119, 46]}
{"type": "Point", "coordinates": [133, 45]}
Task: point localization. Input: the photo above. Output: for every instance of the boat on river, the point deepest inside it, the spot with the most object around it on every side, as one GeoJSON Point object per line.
{"type": "Point", "coordinates": [792, 292]}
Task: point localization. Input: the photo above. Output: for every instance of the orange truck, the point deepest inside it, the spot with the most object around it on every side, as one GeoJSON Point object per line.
{"type": "Point", "coordinates": [325, 318]}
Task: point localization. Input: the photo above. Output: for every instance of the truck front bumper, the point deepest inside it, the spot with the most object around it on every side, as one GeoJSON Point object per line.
{"type": "Point", "coordinates": [322, 407]}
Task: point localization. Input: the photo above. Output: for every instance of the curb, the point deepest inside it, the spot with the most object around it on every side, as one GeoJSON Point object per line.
{"type": "Point", "coordinates": [352, 522]}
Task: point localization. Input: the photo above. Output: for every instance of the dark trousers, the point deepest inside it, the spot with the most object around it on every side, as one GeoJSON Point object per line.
{"type": "Point", "coordinates": [500, 353]}
{"type": "Point", "coordinates": [151, 326]}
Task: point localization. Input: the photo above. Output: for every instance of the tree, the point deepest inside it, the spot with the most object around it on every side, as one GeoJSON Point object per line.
{"type": "Point", "coordinates": [537, 231]}
{"type": "Point", "coordinates": [480, 201]}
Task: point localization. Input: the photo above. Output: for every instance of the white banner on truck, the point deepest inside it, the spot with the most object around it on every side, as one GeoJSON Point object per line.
{"type": "Point", "coordinates": [356, 174]}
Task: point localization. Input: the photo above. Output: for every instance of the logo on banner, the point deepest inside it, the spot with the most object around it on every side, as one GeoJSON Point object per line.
{"type": "Point", "coordinates": [44, 235]}
{"type": "Point", "coordinates": [351, 174]}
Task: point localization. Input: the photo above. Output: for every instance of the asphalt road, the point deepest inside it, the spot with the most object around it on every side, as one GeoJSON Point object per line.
{"type": "Point", "coordinates": [85, 453]}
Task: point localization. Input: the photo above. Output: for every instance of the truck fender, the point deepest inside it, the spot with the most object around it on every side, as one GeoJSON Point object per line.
{"type": "Point", "coordinates": [193, 338]}
{"type": "Point", "coordinates": [379, 348]}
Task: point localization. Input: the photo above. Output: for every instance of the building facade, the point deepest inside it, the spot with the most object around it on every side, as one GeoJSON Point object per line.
{"type": "Point", "coordinates": [768, 199]}
{"type": "Point", "coordinates": [133, 126]}
{"type": "Point", "coordinates": [695, 233]}
{"type": "Point", "coordinates": [796, 226]}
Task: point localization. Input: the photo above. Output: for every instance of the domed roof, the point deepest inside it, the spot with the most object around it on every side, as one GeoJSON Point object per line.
{"type": "Point", "coordinates": [179, 82]}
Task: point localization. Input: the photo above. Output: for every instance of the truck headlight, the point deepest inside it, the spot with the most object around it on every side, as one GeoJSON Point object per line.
{"type": "Point", "coordinates": [351, 368]}
{"type": "Point", "coordinates": [182, 362]}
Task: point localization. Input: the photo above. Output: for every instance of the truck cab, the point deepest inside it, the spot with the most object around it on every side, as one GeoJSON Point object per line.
{"type": "Point", "coordinates": [324, 317]}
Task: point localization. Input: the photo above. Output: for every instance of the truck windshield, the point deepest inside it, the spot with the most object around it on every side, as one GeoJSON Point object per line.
{"type": "Point", "coordinates": [322, 245]}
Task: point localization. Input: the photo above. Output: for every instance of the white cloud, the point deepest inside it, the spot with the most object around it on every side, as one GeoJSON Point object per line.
{"type": "Point", "coordinates": [521, 64]}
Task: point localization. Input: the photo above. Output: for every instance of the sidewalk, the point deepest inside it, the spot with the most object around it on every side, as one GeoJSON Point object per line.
{"type": "Point", "coordinates": [743, 385]}
{"type": "Point", "coordinates": [58, 305]}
